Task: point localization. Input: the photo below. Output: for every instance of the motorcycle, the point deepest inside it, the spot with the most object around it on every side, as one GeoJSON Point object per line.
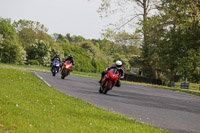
{"type": "Point", "coordinates": [109, 80]}
{"type": "Point", "coordinates": [66, 69]}
{"type": "Point", "coordinates": [55, 67]}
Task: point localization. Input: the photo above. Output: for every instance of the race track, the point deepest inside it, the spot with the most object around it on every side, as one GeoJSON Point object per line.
{"type": "Point", "coordinates": [174, 111]}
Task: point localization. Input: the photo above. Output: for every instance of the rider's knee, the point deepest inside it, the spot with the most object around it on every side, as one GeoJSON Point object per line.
{"type": "Point", "coordinates": [118, 84]}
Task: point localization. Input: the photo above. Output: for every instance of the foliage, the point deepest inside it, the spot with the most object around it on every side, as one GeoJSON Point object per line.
{"type": "Point", "coordinates": [33, 62]}
{"type": "Point", "coordinates": [40, 51]}
{"type": "Point", "coordinates": [60, 38]}
{"type": "Point", "coordinates": [128, 8]}
{"type": "Point", "coordinates": [164, 46]}
{"type": "Point", "coordinates": [125, 46]}
{"type": "Point", "coordinates": [172, 54]}
{"type": "Point", "coordinates": [77, 39]}
{"type": "Point", "coordinates": [82, 62]}
{"type": "Point", "coordinates": [180, 40]}
{"type": "Point", "coordinates": [10, 48]}
{"type": "Point", "coordinates": [84, 57]}
{"type": "Point", "coordinates": [29, 30]}
{"type": "Point", "coordinates": [1, 38]}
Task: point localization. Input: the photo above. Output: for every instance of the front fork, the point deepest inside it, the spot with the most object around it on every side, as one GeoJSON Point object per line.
{"type": "Point", "coordinates": [103, 86]}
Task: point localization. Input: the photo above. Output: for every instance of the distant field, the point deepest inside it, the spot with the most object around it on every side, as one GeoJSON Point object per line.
{"type": "Point", "coordinates": [27, 105]}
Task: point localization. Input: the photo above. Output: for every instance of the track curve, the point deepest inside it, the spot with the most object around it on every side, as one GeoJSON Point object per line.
{"type": "Point", "coordinates": [174, 111]}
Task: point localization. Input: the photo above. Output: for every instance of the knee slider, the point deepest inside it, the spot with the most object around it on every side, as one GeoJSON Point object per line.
{"type": "Point", "coordinates": [118, 84]}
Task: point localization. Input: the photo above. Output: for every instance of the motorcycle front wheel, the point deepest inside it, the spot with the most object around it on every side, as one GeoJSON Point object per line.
{"type": "Point", "coordinates": [64, 73]}
{"type": "Point", "coordinates": [107, 88]}
{"type": "Point", "coordinates": [54, 71]}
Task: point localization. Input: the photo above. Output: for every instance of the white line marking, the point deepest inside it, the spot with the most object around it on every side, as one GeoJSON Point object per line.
{"type": "Point", "coordinates": [42, 79]}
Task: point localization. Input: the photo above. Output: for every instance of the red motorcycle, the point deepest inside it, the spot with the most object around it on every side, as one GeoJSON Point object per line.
{"type": "Point", "coordinates": [109, 80]}
{"type": "Point", "coordinates": [66, 69]}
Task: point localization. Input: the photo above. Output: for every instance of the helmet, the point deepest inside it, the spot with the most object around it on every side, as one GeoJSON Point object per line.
{"type": "Point", "coordinates": [57, 54]}
{"type": "Point", "coordinates": [70, 56]}
{"type": "Point", "coordinates": [118, 63]}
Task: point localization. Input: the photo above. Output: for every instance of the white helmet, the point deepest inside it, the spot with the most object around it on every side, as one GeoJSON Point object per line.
{"type": "Point", "coordinates": [118, 63]}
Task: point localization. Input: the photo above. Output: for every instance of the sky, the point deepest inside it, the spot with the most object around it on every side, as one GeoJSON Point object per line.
{"type": "Point", "coordinates": [77, 17]}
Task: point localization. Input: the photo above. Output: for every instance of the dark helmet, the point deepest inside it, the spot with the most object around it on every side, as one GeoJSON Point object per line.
{"type": "Point", "coordinates": [57, 55]}
{"type": "Point", "coordinates": [70, 56]}
{"type": "Point", "coordinates": [118, 63]}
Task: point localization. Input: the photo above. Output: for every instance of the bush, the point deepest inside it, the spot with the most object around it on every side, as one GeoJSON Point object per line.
{"type": "Point", "coordinates": [33, 62]}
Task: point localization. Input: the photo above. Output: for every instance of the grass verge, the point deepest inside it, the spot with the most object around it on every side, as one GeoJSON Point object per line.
{"type": "Point", "coordinates": [47, 69]}
{"type": "Point", "coordinates": [193, 92]}
{"type": "Point", "coordinates": [27, 105]}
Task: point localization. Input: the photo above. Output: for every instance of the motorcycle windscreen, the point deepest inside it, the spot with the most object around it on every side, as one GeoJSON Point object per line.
{"type": "Point", "coordinates": [115, 74]}
{"type": "Point", "coordinates": [56, 63]}
{"type": "Point", "coordinates": [68, 62]}
{"type": "Point", "coordinates": [115, 71]}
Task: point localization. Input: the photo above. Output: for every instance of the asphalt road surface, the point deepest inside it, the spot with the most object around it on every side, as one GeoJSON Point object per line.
{"type": "Point", "coordinates": [174, 111]}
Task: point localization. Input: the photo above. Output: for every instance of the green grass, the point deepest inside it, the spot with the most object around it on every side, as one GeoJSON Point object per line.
{"type": "Point", "coordinates": [47, 69]}
{"type": "Point", "coordinates": [193, 92]}
{"type": "Point", "coordinates": [192, 86]}
{"type": "Point", "coordinates": [27, 67]}
{"type": "Point", "coordinates": [27, 105]}
{"type": "Point", "coordinates": [89, 75]}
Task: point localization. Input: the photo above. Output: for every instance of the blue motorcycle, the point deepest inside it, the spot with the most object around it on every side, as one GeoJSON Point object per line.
{"type": "Point", "coordinates": [55, 67]}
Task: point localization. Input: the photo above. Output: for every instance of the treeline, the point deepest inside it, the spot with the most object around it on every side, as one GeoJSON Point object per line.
{"type": "Point", "coordinates": [172, 47]}
{"type": "Point", "coordinates": [170, 35]}
{"type": "Point", "coordinates": [27, 42]}
{"type": "Point", "coordinates": [166, 45]}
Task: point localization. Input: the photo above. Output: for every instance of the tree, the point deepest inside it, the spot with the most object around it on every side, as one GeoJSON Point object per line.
{"type": "Point", "coordinates": [143, 9]}
{"type": "Point", "coordinates": [68, 36]}
{"type": "Point", "coordinates": [59, 38]}
{"type": "Point", "coordinates": [124, 38]}
{"type": "Point", "coordinates": [29, 30]}
{"type": "Point", "coordinates": [76, 39]}
{"type": "Point", "coordinates": [10, 48]}
{"type": "Point", "coordinates": [179, 41]}
{"type": "Point", "coordinates": [1, 38]}
{"type": "Point", "coordinates": [40, 51]}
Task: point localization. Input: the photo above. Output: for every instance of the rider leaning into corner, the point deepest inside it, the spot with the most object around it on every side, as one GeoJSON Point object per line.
{"type": "Point", "coordinates": [120, 69]}
{"type": "Point", "coordinates": [71, 59]}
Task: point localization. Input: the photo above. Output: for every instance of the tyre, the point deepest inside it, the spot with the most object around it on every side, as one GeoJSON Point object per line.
{"type": "Point", "coordinates": [54, 71]}
{"type": "Point", "coordinates": [107, 88]}
{"type": "Point", "coordinates": [100, 90]}
{"type": "Point", "coordinates": [64, 73]}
